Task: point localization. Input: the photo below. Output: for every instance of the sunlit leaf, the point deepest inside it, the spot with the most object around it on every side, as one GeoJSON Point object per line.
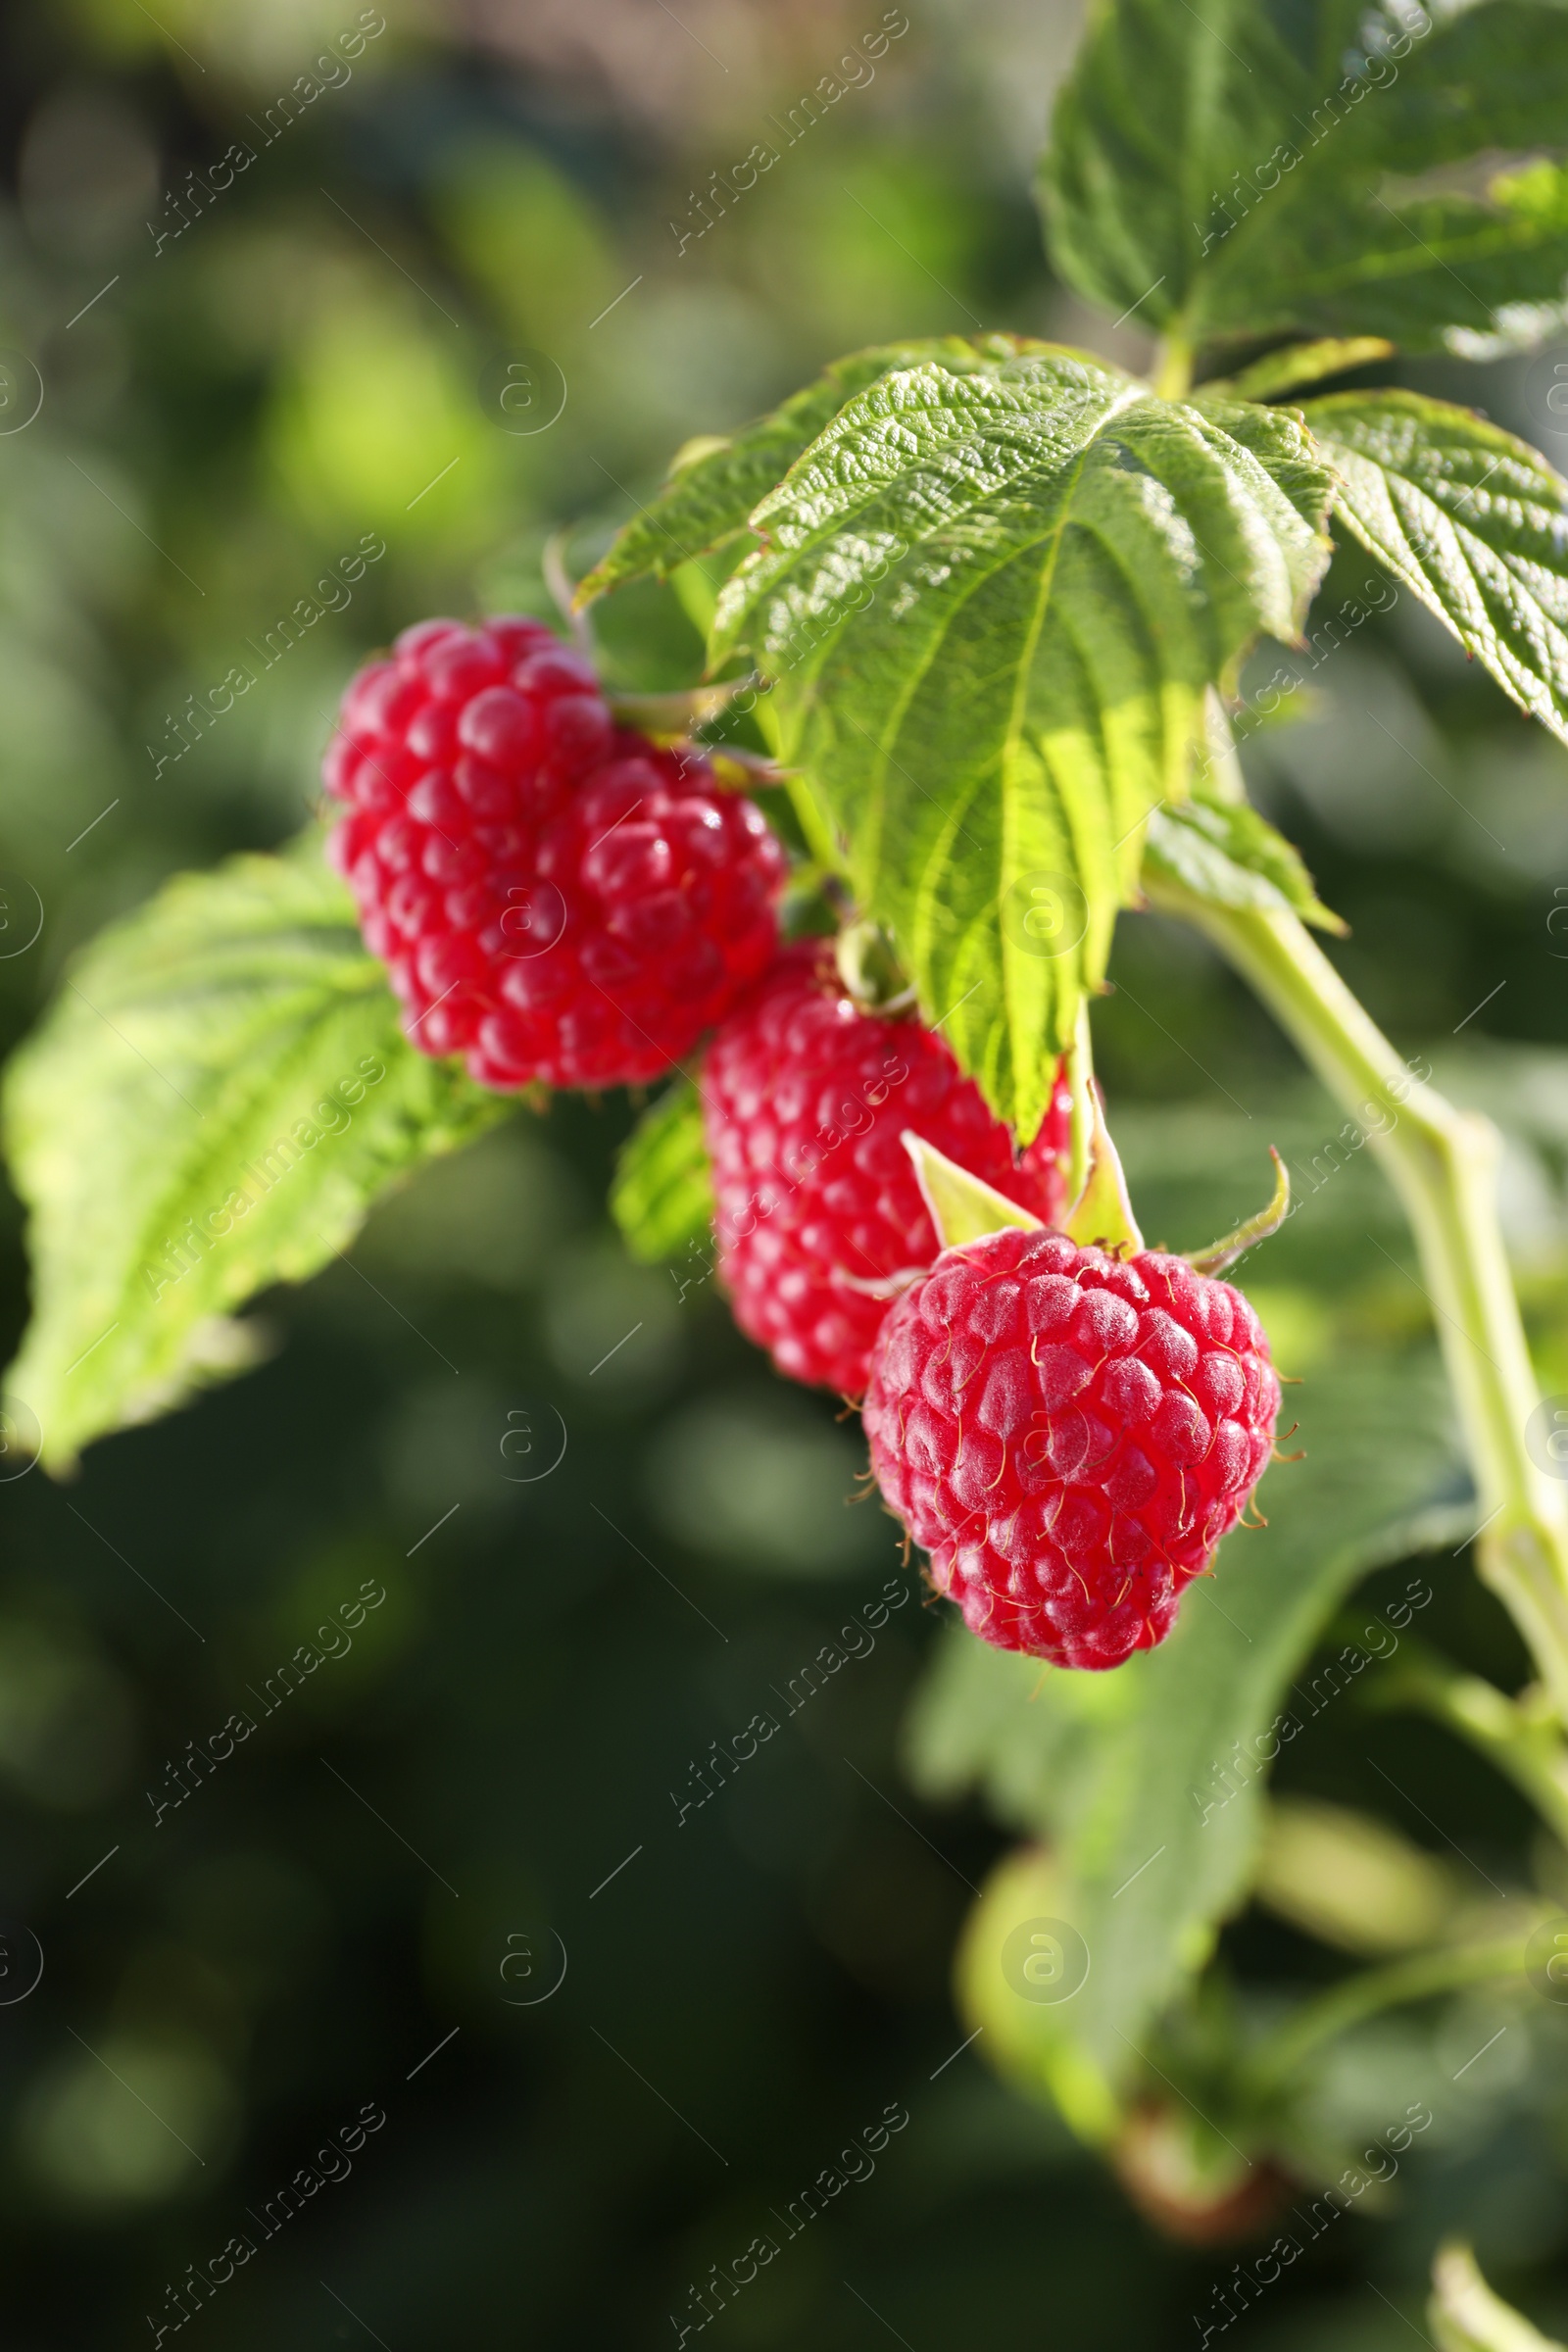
{"type": "Point", "coordinates": [992, 604]}
{"type": "Point", "coordinates": [1163, 108]}
{"type": "Point", "coordinates": [1225, 852]}
{"type": "Point", "coordinates": [714, 482]}
{"type": "Point", "coordinates": [1243, 171]}
{"type": "Point", "coordinates": [220, 1091]}
{"type": "Point", "coordinates": [1472, 520]}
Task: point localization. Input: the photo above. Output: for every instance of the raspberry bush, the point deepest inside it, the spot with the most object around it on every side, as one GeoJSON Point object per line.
{"type": "Point", "coordinates": [976, 610]}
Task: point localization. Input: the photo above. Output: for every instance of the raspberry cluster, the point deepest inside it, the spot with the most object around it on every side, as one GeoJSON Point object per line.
{"type": "Point", "coordinates": [819, 1218]}
{"type": "Point", "coordinates": [555, 898]}
{"type": "Point", "coordinates": [1069, 1435]}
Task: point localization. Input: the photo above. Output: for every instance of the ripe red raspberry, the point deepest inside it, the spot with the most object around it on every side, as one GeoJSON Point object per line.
{"type": "Point", "coordinates": [1068, 1434]}
{"type": "Point", "coordinates": [554, 898]}
{"type": "Point", "coordinates": [818, 1215]}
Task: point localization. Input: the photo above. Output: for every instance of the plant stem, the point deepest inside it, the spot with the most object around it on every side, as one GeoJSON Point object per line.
{"type": "Point", "coordinates": [1360, 1996]}
{"type": "Point", "coordinates": [1465, 2316]}
{"type": "Point", "coordinates": [1442, 1163]}
{"type": "Point", "coordinates": [678, 712]}
{"type": "Point", "coordinates": [1519, 1736]}
{"type": "Point", "coordinates": [1173, 364]}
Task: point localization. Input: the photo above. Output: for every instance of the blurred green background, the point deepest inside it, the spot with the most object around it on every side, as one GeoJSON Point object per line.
{"type": "Point", "coordinates": [369, 1901]}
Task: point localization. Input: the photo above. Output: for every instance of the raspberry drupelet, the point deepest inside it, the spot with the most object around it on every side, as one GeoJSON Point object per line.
{"type": "Point", "coordinates": [555, 898]}
{"type": "Point", "coordinates": [1069, 1435]}
{"type": "Point", "coordinates": [820, 1217]}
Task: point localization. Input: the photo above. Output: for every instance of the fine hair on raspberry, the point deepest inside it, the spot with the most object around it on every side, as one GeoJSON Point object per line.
{"type": "Point", "coordinates": [1069, 1434]}
{"type": "Point", "coordinates": [555, 898]}
{"type": "Point", "coordinates": [818, 1215]}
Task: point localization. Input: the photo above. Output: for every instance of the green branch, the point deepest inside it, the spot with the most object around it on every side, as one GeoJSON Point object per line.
{"type": "Point", "coordinates": [1374, 1989]}
{"type": "Point", "coordinates": [1522, 1737]}
{"type": "Point", "coordinates": [1443, 1162]}
{"type": "Point", "coordinates": [1467, 2317]}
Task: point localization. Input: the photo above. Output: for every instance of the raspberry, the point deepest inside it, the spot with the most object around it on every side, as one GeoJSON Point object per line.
{"type": "Point", "coordinates": [555, 898]}
{"type": "Point", "coordinates": [818, 1215]}
{"type": "Point", "coordinates": [1068, 1434]}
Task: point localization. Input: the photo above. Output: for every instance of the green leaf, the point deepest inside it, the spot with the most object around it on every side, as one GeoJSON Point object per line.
{"type": "Point", "coordinates": [1245, 170]}
{"type": "Point", "coordinates": [1473, 273]}
{"type": "Point", "coordinates": [662, 1194]}
{"type": "Point", "coordinates": [1224, 852]}
{"type": "Point", "coordinates": [714, 483]}
{"type": "Point", "coordinates": [1164, 105]}
{"type": "Point", "coordinates": [1133, 1777]}
{"type": "Point", "coordinates": [992, 604]}
{"type": "Point", "coordinates": [212, 1103]}
{"type": "Point", "coordinates": [1471, 520]}
{"type": "Point", "coordinates": [1489, 80]}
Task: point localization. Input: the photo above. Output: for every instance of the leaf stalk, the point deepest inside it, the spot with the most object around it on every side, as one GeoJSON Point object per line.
{"type": "Point", "coordinates": [1173, 364]}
